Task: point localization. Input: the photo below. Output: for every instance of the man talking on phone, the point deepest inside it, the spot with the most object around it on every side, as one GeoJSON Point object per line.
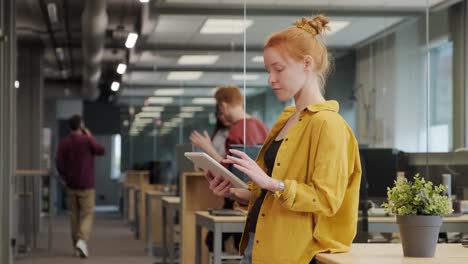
{"type": "Point", "coordinates": [75, 163]}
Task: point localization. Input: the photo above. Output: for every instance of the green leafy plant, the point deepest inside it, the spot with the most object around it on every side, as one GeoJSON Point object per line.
{"type": "Point", "coordinates": [419, 197]}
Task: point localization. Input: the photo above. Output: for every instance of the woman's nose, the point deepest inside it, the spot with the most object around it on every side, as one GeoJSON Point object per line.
{"type": "Point", "coordinates": [271, 79]}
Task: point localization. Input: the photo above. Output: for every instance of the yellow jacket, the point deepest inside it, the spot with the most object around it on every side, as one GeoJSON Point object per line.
{"type": "Point", "coordinates": [319, 163]}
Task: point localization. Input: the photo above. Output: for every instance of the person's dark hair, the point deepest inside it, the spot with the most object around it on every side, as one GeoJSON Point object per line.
{"type": "Point", "coordinates": [219, 125]}
{"type": "Point", "coordinates": [74, 123]}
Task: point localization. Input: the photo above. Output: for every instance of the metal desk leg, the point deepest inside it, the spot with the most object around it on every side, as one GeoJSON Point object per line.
{"type": "Point", "coordinates": [171, 235]}
{"type": "Point", "coordinates": [217, 244]}
{"type": "Point", "coordinates": [25, 225]}
{"type": "Point", "coordinates": [164, 232]}
{"type": "Point", "coordinates": [149, 225]}
{"type": "Point", "coordinates": [36, 205]}
{"type": "Point", "coordinates": [198, 244]}
{"type": "Point", "coordinates": [137, 216]}
{"type": "Point", "coordinates": [125, 202]}
{"type": "Point", "coordinates": [51, 212]}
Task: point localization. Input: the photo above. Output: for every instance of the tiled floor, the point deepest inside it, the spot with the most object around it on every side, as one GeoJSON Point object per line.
{"type": "Point", "coordinates": [111, 242]}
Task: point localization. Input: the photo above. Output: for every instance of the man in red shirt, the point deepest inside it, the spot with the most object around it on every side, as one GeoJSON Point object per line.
{"type": "Point", "coordinates": [230, 105]}
{"type": "Point", "coordinates": [230, 101]}
{"type": "Point", "coordinates": [75, 163]}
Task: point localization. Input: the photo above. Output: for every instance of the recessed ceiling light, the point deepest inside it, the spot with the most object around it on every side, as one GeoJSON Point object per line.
{"type": "Point", "coordinates": [191, 108]}
{"type": "Point", "coordinates": [225, 26]}
{"type": "Point", "coordinates": [176, 120]}
{"type": "Point", "coordinates": [121, 68]}
{"type": "Point", "coordinates": [144, 1]}
{"type": "Point", "coordinates": [160, 100]}
{"type": "Point", "coordinates": [149, 115]}
{"type": "Point", "coordinates": [152, 109]}
{"type": "Point", "coordinates": [17, 84]}
{"type": "Point", "coordinates": [140, 121]}
{"type": "Point", "coordinates": [336, 26]}
{"type": "Point", "coordinates": [171, 124]}
{"type": "Point", "coordinates": [197, 59]}
{"type": "Point", "coordinates": [52, 12]}
{"type": "Point", "coordinates": [115, 86]}
{"type": "Point", "coordinates": [184, 75]}
{"type": "Point", "coordinates": [204, 100]}
{"type": "Point", "coordinates": [131, 40]}
{"type": "Point", "coordinates": [186, 114]}
{"type": "Point", "coordinates": [247, 77]}
{"type": "Point", "coordinates": [169, 92]}
{"type": "Point", "coordinates": [257, 59]}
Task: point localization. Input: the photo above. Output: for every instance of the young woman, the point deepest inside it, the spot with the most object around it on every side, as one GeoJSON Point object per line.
{"type": "Point", "coordinates": [304, 194]}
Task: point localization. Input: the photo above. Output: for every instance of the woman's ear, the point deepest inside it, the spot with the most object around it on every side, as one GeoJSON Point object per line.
{"type": "Point", "coordinates": [309, 63]}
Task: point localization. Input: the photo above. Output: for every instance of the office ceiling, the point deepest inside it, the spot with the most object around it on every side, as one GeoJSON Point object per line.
{"type": "Point", "coordinates": [169, 29]}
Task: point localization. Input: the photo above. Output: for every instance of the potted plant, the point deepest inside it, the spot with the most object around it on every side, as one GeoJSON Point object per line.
{"type": "Point", "coordinates": [419, 207]}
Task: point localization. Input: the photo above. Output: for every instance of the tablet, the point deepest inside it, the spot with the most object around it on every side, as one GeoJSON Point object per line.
{"type": "Point", "coordinates": [205, 162]}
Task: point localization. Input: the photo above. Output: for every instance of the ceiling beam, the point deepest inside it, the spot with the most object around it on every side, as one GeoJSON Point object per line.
{"type": "Point", "coordinates": [281, 10]}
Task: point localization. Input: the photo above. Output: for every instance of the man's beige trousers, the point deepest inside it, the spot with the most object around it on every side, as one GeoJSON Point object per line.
{"type": "Point", "coordinates": [81, 205]}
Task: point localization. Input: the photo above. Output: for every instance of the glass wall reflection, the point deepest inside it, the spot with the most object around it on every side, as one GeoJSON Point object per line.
{"type": "Point", "coordinates": [398, 79]}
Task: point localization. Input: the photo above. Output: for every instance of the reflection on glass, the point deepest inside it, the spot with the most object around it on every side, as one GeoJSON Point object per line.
{"type": "Point", "coordinates": [441, 104]}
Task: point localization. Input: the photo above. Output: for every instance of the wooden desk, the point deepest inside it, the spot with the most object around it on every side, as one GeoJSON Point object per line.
{"type": "Point", "coordinates": [153, 219]}
{"type": "Point", "coordinates": [393, 253]}
{"type": "Point", "coordinates": [170, 206]}
{"type": "Point", "coordinates": [130, 183]}
{"type": "Point", "coordinates": [195, 196]}
{"type": "Point", "coordinates": [388, 224]}
{"type": "Point", "coordinates": [219, 225]}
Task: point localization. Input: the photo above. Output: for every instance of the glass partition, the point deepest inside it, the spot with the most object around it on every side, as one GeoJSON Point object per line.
{"type": "Point", "coordinates": [396, 75]}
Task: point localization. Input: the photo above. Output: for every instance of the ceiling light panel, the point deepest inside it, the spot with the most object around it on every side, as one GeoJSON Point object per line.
{"type": "Point", "coordinates": [149, 114]}
{"type": "Point", "coordinates": [191, 108]}
{"type": "Point", "coordinates": [186, 115]}
{"type": "Point", "coordinates": [257, 59]}
{"type": "Point", "coordinates": [247, 77]}
{"type": "Point", "coordinates": [121, 68]}
{"type": "Point", "coordinates": [336, 26]}
{"type": "Point", "coordinates": [152, 109]}
{"type": "Point", "coordinates": [140, 121]}
{"type": "Point", "coordinates": [204, 101]}
{"type": "Point", "coordinates": [176, 120]}
{"type": "Point", "coordinates": [169, 92]}
{"type": "Point", "coordinates": [160, 100]}
{"type": "Point", "coordinates": [131, 40]}
{"type": "Point", "coordinates": [225, 26]}
{"type": "Point", "coordinates": [198, 59]}
{"type": "Point", "coordinates": [115, 86]}
{"type": "Point", "coordinates": [184, 75]}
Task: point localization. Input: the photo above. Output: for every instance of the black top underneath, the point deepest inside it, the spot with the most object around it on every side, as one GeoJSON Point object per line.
{"type": "Point", "coordinates": [269, 159]}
